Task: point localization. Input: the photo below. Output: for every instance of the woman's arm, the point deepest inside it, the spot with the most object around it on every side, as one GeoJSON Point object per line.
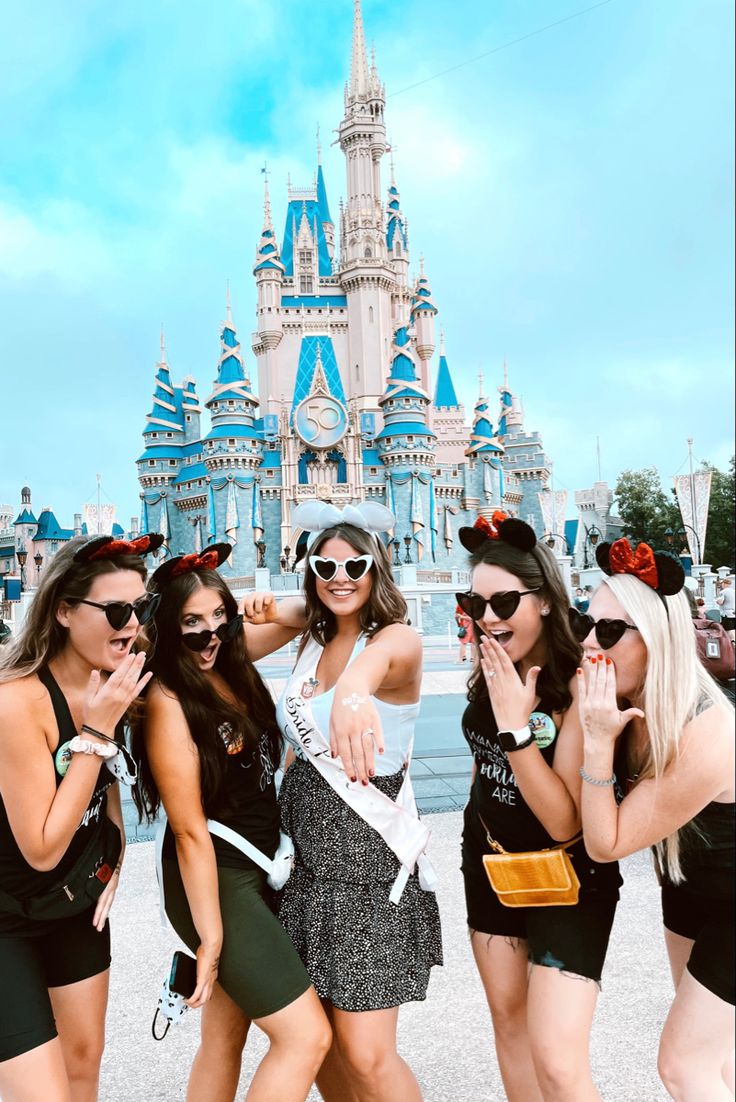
{"type": "Point", "coordinates": [391, 665]}
{"type": "Point", "coordinates": [552, 793]}
{"type": "Point", "coordinates": [174, 763]}
{"type": "Point", "coordinates": [270, 624]}
{"type": "Point", "coordinates": [42, 816]}
{"type": "Point", "coordinates": [106, 900]}
{"type": "Point", "coordinates": [702, 771]}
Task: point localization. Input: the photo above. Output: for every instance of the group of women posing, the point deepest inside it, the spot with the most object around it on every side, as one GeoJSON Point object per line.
{"type": "Point", "coordinates": [603, 719]}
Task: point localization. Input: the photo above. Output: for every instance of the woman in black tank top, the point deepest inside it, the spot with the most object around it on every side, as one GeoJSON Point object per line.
{"type": "Point", "coordinates": [527, 749]}
{"type": "Point", "coordinates": [65, 684]}
{"type": "Point", "coordinates": [655, 718]}
{"type": "Point", "coordinates": [208, 746]}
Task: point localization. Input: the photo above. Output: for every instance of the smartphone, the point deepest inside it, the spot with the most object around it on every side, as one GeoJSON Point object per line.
{"type": "Point", "coordinates": [183, 976]}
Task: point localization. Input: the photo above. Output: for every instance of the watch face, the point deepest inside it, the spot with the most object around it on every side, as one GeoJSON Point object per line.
{"type": "Point", "coordinates": [321, 421]}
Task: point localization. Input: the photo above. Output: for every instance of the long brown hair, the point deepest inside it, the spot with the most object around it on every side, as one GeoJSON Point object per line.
{"type": "Point", "coordinates": [536, 569]}
{"type": "Point", "coordinates": [251, 712]}
{"type": "Point", "coordinates": [42, 637]}
{"type": "Point", "coordinates": [385, 604]}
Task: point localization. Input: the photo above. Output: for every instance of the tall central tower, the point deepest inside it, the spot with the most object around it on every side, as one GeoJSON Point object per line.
{"type": "Point", "coordinates": [365, 274]}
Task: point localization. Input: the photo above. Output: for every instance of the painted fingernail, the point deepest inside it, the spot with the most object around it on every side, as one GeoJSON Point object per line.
{"type": "Point", "coordinates": [608, 661]}
{"type": "Point", "coordinates": [600, 657]}
{"type": "Point", "coordinates": [371, 772]}
{"type": "Point", "coordinates": [579, 672]}
{"type": "Point", "coordinates": [380, 749]}
{"type": "Point", "coordinates": [592, 661]}
{"type": "Point", "coordinates": [353, 780]}
{"type": "Point", "coordinates": [364, 782]}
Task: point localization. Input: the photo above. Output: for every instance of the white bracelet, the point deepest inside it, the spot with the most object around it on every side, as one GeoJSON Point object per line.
{"type": "Point", "coordinates": [594, 780]}
{"type": "Point", "coordinates": [84, 746]}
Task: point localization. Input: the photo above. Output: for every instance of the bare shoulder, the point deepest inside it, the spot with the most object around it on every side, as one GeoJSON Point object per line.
{"type": "Point", "coordinates": [399, 636]}
{"type": "Point", "coordinates": [710, 734]}
{"type": "Point", "coordinates": [164, 711]}
{"type": "Point", "coordinates": [24, 700]}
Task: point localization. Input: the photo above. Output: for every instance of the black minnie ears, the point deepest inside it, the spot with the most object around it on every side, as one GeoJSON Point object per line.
{"type": "Point", "coordinates": [517, 533]}
{"type": "Point", "coordinates": [660, 570]}
{"type": "Point", "coordinates": [107, 547]}
{"type": "Point", "coordinates": [209, 559]}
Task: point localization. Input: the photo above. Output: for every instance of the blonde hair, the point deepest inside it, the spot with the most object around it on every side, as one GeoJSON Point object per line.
{"type": "Point", "coordinates": [42, 637]}
{"type": "Point", "coordinates": [675, 686]}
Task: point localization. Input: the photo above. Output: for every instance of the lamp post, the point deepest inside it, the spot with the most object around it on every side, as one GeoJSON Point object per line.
{"type": "Point", "coordinates": [669, 535]}
{"type": "Point", "coordinates": [550, 538]}
{"type": "Point", "coordinates": [38, 559]}
{"type": "Point", "coordinates": [396, 545]}
{"type": "Point", "coordinates": [22, 556]}
{"type": "Point", "coordinates": [407, 545]}
{"type": "Point", "coordinates": [261, 549]}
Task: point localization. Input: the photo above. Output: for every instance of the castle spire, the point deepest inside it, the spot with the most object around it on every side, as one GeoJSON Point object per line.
{"type": "Point", "coordinates": [445, 396]}
{"type": "Point", "coordinates": [228, 306]}
{"type": "Point", "coordinates": [359, 62]}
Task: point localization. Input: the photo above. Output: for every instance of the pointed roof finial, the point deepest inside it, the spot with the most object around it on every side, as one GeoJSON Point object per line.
{"type": "Point", "coordinates": [505, 374]}
{"type": "Point", "coordinates": [228, 305]}
{"type": "Point", "coordinates": [442, 342]}
{"type": "Point", "coordinates": [359, 64]}
{"type": "Point", "coordinates": [162, 344]}
{"type": "Point", "coordinates": [480, 384]}
{"type": "Point", "coordinates": [421, 266]}
{"type": "Point", "coordinates": [319, 148]}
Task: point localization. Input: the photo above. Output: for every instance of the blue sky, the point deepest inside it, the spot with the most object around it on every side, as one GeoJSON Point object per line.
{"type": "Point", "coordinates": [572, 196]}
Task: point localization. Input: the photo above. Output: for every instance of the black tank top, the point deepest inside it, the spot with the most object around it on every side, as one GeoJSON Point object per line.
{"type": "Point", "coordinates": [17, 877]}
{"type": "Point", "coordinates": [254, 813]}
{"type": "Point", "coordinates": [496, 798]}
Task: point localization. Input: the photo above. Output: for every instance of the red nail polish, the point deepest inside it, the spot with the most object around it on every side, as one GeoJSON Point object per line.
{"type": "Point", "coordinates": [608, 661]}
{"type": "Point", "coordinates": [371, 772]}
{"type": "Point", "coordinates": [600, 657]}
{"type": "Point", "coordinates": [592, 661]}
{"type": "Point", "coordinates": [353, 780]}
{"type": "Point", "coordinates": [364, 782]}
{"type": "Point", "coordinates": [579, 672]}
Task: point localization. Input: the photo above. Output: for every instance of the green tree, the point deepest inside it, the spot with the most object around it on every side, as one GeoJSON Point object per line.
{"type": "Point", "coordinates": [644, 508]}
{"type": "Point", "coordinates": [719, 535]}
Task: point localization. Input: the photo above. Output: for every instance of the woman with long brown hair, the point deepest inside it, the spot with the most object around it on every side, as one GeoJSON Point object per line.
{"type": "Point", "coordinates": [526, 742]}
{"type": "Point", "coordinates": [359, 905]}
{"type": "Point", "coordinates": [209, 746]}
{"type": "Point", "coordinates": [66, 682]}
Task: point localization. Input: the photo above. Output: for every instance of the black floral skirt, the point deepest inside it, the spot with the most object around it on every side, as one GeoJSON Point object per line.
{"type": "Point", "coordinates": [361, 951]}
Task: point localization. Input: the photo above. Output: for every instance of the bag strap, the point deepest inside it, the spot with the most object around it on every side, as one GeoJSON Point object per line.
{"type": "Point", "coordinates": [547, 849]}
{"type": "Point", "coordinates": [241, 843]}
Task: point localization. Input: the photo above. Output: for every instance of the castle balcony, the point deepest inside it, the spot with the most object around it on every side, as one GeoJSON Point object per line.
{"type": "Point", "coordinates": [325, 491]}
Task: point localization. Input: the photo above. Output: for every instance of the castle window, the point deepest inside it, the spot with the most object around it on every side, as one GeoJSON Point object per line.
{"type": "Point", "coordinates": [410, 439]}
{"type": "Point", "coordinates": [357, 372]}
{"type": "Point", "coordinates": [269, 474]}
{"type": "Point", "coordinates": [189, 417]}
{"type": "Point", "coordinates": [231, 443]}
{"type": "Point", "coordinates": [169, 434]}
{"type": "Point", "coordinates": [374, 470]}
{"type": "Point", "coordinates": [151, 462]}
{"type": "Point", "coordinates": [305, 258]}
{"type": "Point", "coordinates": [306, 285]}
{"type": "Point", "coordinates": [368, 252]}
{"type": "Point", "coordinates": [230, 404]}
{"type": "Point", "coordinates": [370, 313]}
{"type": "Point", "coordinates": [172, 462]}
{"type": "Point", "coordinates": [407, 401]}
{"type": "Point", "coordinates": [154, 436]}
{"type": "Point", "coordinates": [397, 247]}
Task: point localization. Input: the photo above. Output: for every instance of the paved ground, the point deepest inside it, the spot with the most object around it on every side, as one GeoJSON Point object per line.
{"type": "Point", "coordinates": [447, 1039]}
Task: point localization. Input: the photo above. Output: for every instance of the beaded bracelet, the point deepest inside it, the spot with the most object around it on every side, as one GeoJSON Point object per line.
{"type": "Point", "coordinates": [594, 780]}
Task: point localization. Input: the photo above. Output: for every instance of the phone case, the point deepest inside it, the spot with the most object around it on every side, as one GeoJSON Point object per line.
{"type": "Point", "coordinates": [183, 977]}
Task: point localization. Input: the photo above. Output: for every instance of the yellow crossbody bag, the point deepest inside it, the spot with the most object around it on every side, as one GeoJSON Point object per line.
{"type": "Point", "coordinates": [536, 878]}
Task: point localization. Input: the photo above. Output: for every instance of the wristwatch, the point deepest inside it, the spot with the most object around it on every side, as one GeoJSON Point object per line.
{"type": "Point", "coordinates": [515, 740]}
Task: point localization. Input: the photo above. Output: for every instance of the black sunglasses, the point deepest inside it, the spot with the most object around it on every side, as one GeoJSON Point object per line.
{"type": "Point", "coordinates": [200, 640]}
{"type": "Point", "coordinates": [118, 613]}
{"type": "Point", "coordinates": [503, 604]}
{"type": "Point", "coordinates": [607, 632]}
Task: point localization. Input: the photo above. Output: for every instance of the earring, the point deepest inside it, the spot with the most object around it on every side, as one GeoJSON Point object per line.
{"type": "Point", "coordinates": [545, 612]}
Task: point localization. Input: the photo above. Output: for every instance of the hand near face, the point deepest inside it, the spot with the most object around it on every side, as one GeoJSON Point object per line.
{"type": "Point", "coordinates": [601, 718]}
{"type": "Point", "coordinates": [260, 608]}
{"type": "Point", "coordinates": [511, 698]}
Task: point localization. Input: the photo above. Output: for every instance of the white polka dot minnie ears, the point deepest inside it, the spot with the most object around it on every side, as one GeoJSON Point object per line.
{"type": "Point", "coordinates": [316, 517]}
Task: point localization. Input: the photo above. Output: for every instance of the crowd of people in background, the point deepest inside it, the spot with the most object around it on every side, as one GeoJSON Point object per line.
{"type": "Point", "coordinates": [598, 727]}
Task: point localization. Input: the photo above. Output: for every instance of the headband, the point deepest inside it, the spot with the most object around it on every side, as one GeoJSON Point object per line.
{"type": "Point", "coordinates": [660, 570]}
{"type": "Point", "coordinates": [316, 517]}
{"type": "Point", "coordinates": [517, 533]}
{"type": "Point", "coordinates": [209, 559]}
{"type": "Point", "coordinates": [107, 547]}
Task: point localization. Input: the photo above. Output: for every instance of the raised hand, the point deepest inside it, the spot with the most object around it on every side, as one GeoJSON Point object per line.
{"type": "Point", "coordinates": [601, 718]}
{"type": "Point", "coordinates": [355, 733]}
{"type": "Point", "coordinates": [260, 608]}
{"type": "Point", "coordinates": [106, 702]}
{"type": "Point", "coordinates": [511, 698]}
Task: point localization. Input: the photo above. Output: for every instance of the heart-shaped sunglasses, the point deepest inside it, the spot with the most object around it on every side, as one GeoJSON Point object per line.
{"type": "Point", "coordinates": [327, 569]}
{"type": "Point", "coordinates": [503, 604]}
{"type": "Point", "coordinates": [200, 640]}
{"type": "Point", "coordinates": [118, 613]}
{"type": "Point", "coordinates": [607, 632]}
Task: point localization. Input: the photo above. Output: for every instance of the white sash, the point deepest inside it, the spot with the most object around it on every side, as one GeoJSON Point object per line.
{"type": "Point", "coordinates": [397, 821]}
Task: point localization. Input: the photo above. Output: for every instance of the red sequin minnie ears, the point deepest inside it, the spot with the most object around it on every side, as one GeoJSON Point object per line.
{"type": "Point", "coordinates": [107, 547]}
{"type": "Point", "coordinates": [209, 559]}
{"type": "Point", "coordinates": [515, 532]}
{"type": "Point", "coordinates": [660, 570]}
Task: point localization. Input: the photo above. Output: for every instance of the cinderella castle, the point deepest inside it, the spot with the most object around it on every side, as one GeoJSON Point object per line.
{"type": "Point", "coordinates": [348, 405]}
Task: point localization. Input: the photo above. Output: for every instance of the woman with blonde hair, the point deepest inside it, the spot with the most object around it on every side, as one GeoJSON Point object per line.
{"type": "Point", "coordinates": [65, 684]}
{"type": "Point", "coordinates": [658, 771]}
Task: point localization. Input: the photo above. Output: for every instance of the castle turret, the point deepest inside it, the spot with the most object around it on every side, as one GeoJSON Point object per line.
{"type": "Point", "coordinates": [423, 313]}
{"type": "Point", "coordinates": [485, 488]}
{"type": "Point", "coordinates": [448, 414]}
{"type": "Point", "coordinates": [328, 226]}
{"type": "Point", "coordinates": [397, 237]}
{"type": "Point", "coordinates": [269, 273]}
{"type": "Point", "coordinates": [164, 437]}
{"type": "Point", "coordinates": [233, 441]}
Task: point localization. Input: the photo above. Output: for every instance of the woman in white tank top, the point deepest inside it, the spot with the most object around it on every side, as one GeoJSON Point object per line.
{"type": "Point", "coordinates": [359, 905]}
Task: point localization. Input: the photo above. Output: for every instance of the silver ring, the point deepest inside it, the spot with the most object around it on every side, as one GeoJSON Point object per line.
{"type": "Point", "coordinates": [491, 673]}
{"type": "Point", "coordinates": [368, 731]}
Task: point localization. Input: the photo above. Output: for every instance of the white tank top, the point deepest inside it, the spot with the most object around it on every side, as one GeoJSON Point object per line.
{"type": "Point", "coordinates": [397, 720]}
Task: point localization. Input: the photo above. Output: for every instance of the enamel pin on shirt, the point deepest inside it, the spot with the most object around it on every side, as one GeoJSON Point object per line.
{"type": "Point", "coordinates": [307, 691]}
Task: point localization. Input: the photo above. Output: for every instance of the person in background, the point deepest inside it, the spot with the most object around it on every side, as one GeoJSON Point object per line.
{"type": "Point", "coordinates": [726, 604]}
{"type": "Point", "coordinates": [658, 771]}
{"type": "Point", "coordinates": [580, 601]}
{"type": "Point", "coordinates": [465, 635]}
{"type": "Point", "coordinates": [715, 649]}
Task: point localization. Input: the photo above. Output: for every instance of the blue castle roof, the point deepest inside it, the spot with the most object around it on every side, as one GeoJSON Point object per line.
{"type": "Point", "coordinates": [322, 205]}
{"type": "Point", "coordinates": [444, 395]}
{"type": "Point", "coordinates": [396, 224]}
{"type": "Point", "coordinates": [296, 210]}
{"type": "Point", "coordinates": [25, 517]}
{"type": "Point", "coordinates": [404, 428]}
{"type": "Point", "coordinates": [50, 529]}
{"type": "Point", "coordinates": [307, 365]}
